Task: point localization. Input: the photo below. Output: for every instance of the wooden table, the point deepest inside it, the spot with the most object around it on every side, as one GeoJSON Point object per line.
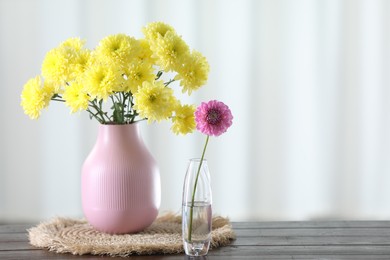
{"type": "Point", "coordinates": [255, 240]}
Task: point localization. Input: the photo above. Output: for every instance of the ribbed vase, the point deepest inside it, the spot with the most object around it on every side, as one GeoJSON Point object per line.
{"type": "Point", "coordinates": [120, 184]}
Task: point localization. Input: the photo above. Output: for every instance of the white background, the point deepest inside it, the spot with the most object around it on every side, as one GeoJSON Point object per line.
{"type": "Point", "coordinates": [308, 83]}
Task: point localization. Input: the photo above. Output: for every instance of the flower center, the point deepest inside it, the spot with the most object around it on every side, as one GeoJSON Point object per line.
{"type": "Point", "coordinates": [115, 47]}
{"type": "Point", "coordinates": [213, 117]}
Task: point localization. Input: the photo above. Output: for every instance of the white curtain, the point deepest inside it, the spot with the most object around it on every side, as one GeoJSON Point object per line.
{"type": "Point", "coordinates": [308, 83]}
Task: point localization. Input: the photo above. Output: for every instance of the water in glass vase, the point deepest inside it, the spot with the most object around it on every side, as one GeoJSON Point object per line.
{"type": "Point", "coordinates": [197, 233]}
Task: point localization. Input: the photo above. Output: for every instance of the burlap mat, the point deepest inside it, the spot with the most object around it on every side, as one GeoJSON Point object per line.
{"type": "Point", "coordinates": [65, 235]}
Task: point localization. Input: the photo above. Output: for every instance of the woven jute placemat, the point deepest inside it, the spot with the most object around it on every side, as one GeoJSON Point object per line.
{"type": "Point", "coordinates": [76, 236]}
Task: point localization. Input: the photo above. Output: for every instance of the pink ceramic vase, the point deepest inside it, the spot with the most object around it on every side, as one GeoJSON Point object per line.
{"type": "Point", "coordinates": [120, 182]}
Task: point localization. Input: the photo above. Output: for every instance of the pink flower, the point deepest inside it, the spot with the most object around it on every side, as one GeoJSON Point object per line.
{"type": "Point", "coordinates": [213, 118]}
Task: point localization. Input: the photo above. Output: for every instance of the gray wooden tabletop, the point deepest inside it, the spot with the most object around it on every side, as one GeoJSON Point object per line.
{"type": "Point", "coordinates": [255, 240]}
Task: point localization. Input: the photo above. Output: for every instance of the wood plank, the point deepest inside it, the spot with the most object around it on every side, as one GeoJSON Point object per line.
{"type": "Point", "coordinates": [16, 237]}
{"type": "Point", "coordinates": [303, 250]}
{"type": "Point", "coordinates": [312, 224]}
{"type": "Point", "coordinates": [333, 232]}
{"type": "Point", "coordinates": [16, 245]}
{"type": "Point", "coordinates": [311, 241]}
{"type": "Point", "coordinates": [19, 228]}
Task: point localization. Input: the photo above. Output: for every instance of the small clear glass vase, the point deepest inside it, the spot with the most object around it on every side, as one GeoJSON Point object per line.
{"type": "Point", "coordinates": [196, 209]}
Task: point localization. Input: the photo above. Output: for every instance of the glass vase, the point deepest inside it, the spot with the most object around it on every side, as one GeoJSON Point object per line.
{"type": "Point", "coordinates": [196, 209]}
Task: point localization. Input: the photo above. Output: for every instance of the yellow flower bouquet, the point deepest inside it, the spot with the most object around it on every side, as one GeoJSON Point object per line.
{"type": "Point", "coordinates": [121, 81]}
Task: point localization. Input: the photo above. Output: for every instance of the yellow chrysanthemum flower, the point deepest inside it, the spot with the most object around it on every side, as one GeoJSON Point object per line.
{"type": "Point", "coordinates": [170, 50]}
{"type": "Point", "coordinates": [101, 81]}
{"type": "Point", "coordinates": [155, 102]}
{"type": "Point", "coordinates": [194, 72]}
{"type": "Point", "coordinates": [73, 43]}
{"type": "Point", "coordinates": [36, 96]}
{"type": "Point", "coordinates": [156, 29]}
{"type": "Point", "coordinates": [117, 49]}
{"type": "Point", "coordinates": [184, 120]}
{"type": "Point", "coordinates": [75, 97]}
{"type": "Point", "coordinates": [146, 54]}
{"type": "Point", "coordinates": [136, 74]}
{"type": "Point", "coordinates": [65, 63]}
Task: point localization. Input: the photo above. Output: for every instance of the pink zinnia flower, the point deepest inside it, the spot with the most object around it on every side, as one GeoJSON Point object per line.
{"type": "Point", "coordinates": [213, 118]}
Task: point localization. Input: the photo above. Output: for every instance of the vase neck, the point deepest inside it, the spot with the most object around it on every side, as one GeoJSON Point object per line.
{"type": "Point", "coordinates": [109, 134]}
{"type": "Point", "coordinates": [197, 160]}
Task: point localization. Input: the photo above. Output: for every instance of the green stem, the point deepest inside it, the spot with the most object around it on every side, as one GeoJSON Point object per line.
{"type": "Point", "coordinates": [139, 120]}
{"type": "Point", "coordinates": [95, 116]}
{"type": "Point", "coordinates": [98, 110]}
{"type": "Point", "coordinates": [128, 106]}
{"type": "Point", "coordinates": [123, 107]}
{"type": "Point", "coordinates": [55, 99]}
{"type": "Point", "coordinates": [112, 99]}
{"type": "Point", "coordinates": [193, 192]}
{"type": "Point", "coordinates": [169, 82]}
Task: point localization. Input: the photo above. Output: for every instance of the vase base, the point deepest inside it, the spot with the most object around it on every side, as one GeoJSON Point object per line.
{"type": "Point", "coordinates": [196, 248]}
{"type": "Point", "coordinates": [128, 221]}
